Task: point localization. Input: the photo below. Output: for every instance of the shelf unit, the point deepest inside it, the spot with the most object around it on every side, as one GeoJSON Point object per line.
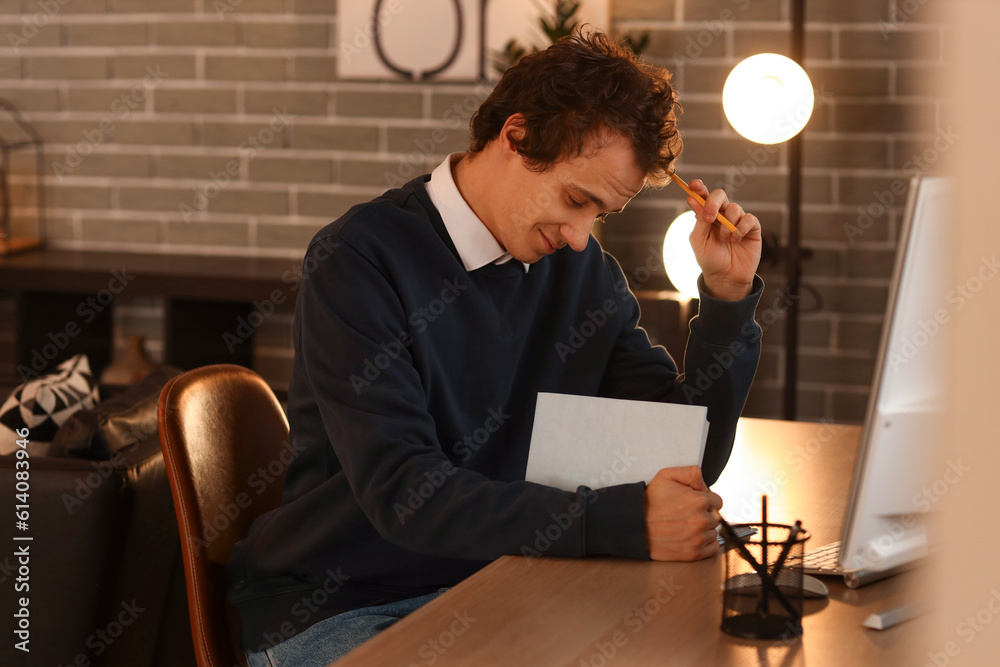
{"type": "Point", "coordinates": [65, 300]}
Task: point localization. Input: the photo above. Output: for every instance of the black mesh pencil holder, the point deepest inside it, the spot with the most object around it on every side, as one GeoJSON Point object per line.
{"type": "Point", "coordinates": [759, 602]}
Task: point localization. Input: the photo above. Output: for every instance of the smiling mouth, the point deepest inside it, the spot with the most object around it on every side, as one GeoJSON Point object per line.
{"type": "Point", "coordinates": [549, 246]}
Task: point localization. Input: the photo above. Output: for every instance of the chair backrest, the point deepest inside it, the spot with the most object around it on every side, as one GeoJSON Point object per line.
{"type": "Point", "coordinates": [220, 427]}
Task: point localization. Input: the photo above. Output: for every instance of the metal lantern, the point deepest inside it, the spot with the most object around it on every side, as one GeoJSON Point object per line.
{"type": "Point", "coordinates": [21, 186]}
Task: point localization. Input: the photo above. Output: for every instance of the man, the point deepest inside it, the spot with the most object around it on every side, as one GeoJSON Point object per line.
{"type": "Point", "coordinates": [427, 323]}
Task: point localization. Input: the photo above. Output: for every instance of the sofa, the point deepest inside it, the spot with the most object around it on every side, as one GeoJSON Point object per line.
{"type": "Point", "coordinates": [102, 573]}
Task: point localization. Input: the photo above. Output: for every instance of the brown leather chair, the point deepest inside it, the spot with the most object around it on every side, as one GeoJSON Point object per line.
{"type": "Point", "coordinates": [218, 426]}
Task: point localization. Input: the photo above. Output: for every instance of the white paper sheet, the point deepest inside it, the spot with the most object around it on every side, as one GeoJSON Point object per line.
{"type": "Point", "coordinates": [598, 442]}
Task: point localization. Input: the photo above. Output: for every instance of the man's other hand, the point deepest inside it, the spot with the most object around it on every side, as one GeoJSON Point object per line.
{"type": "Point", "coordinates": [679, 520]}
{"type": "Point", "coordinates": [727, 262]}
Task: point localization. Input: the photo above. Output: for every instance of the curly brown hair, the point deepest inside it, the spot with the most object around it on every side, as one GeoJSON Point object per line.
{"type": "Point", "coordinates": [584, 84]}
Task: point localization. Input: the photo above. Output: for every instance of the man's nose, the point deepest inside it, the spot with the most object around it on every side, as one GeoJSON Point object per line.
{"type": "Point", "coordinates": [577, 233]}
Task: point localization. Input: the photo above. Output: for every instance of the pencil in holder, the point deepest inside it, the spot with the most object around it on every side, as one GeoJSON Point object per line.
{"type": "Point", "coordinates": [762, 596]}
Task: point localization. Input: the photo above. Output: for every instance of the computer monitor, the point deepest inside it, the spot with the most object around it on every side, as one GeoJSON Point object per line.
{"type": "Point", "coordinates": [898, 477]}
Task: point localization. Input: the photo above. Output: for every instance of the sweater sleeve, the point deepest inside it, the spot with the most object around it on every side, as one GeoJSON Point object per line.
{"type": "Point", "coordinates": [350, 318]}
{"type": "Point", "coordinates": [719, 362]}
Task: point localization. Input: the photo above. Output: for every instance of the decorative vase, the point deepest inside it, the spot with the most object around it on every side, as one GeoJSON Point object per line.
{"type": "Point", "coordinates": [131, 367]}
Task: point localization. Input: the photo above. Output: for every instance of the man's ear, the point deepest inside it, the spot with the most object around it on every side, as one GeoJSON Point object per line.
{"type": "Point", "coordinates": [512, 130]}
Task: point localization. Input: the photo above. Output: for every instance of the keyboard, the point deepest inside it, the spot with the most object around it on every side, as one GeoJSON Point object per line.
{"type": "Point", "coordinates": [823, 560]}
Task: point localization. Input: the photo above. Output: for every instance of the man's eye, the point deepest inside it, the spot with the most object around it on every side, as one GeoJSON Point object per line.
{"type": "Point", "coordinates": [574, 203]}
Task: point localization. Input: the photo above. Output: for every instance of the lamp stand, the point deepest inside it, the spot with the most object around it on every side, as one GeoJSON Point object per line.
{"type": "Point", "coordinates": [793, 251]}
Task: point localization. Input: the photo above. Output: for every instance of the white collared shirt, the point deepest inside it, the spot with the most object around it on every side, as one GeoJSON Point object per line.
{"type": "Point", "coordinates": [474, 242]}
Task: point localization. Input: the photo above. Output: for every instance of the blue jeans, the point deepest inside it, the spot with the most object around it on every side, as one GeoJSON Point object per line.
{"type": "Point", "coordinates": [332, 638]}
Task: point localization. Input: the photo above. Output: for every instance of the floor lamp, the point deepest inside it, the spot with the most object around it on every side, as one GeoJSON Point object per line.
{"type": "Point", "coordinates": [768, 99]}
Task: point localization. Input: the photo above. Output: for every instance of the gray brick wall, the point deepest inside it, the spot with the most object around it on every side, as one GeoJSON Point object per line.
{"type": "Point", "coordinates": [877, 68]}
{"type": "Point", "coordinates": [149, 106]}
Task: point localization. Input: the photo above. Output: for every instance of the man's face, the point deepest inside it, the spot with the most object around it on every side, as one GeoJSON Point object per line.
{"type": "Point", "coordinates": [542, 212]}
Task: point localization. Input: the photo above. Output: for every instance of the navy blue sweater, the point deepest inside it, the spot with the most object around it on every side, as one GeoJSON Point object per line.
{"type": "Point", "coordinates": [411, 404]}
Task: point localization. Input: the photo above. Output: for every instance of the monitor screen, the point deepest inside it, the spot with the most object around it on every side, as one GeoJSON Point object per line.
{"type": "Point", "coordinates": [898, 476]}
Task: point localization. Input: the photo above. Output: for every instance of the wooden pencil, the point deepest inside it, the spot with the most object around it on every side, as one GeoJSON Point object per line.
{"type": "Point", "coordinates": [701, 200]}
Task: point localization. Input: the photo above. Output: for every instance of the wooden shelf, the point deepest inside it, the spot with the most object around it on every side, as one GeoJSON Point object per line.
{"type": "Point", "coordinates": [176, 276]}
{"type": "Point", "coordinates": [59, 292]}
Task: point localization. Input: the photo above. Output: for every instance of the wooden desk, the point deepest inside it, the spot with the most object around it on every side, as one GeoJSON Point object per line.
{"type": "Point", "coordinates": [607, 611]}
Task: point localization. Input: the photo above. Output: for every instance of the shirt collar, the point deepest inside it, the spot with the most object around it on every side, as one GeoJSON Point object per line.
{"type": "Point", "coordinates": [474, 242]}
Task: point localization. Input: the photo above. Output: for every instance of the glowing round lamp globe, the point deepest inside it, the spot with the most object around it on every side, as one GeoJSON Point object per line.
{"type": "Point", "coordinates": [768, 98]}
{"type": "Point", "coordinates": [678, 256]}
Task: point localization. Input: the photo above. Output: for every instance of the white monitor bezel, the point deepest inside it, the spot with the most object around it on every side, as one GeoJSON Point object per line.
{"type": "Point", "coordinates": [907, 539]}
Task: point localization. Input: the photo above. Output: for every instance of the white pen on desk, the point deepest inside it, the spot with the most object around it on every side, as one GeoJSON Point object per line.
{"type": "Point", "coordinates": [894, 616]}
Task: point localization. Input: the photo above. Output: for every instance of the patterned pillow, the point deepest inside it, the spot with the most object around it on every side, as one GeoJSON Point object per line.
{"type": "Point", "coordinates": [43, 404]}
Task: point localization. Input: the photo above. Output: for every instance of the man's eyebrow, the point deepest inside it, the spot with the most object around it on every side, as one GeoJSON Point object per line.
{"type": "Point", "coordinates": [586, 194]}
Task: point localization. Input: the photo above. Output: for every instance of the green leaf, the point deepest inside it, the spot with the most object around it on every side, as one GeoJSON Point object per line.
{"type": "Point", "coordinates": [637, 45]}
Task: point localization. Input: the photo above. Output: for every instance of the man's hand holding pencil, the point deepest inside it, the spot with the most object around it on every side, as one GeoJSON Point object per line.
{"type": "Point", "coordinates": [728, 259]}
